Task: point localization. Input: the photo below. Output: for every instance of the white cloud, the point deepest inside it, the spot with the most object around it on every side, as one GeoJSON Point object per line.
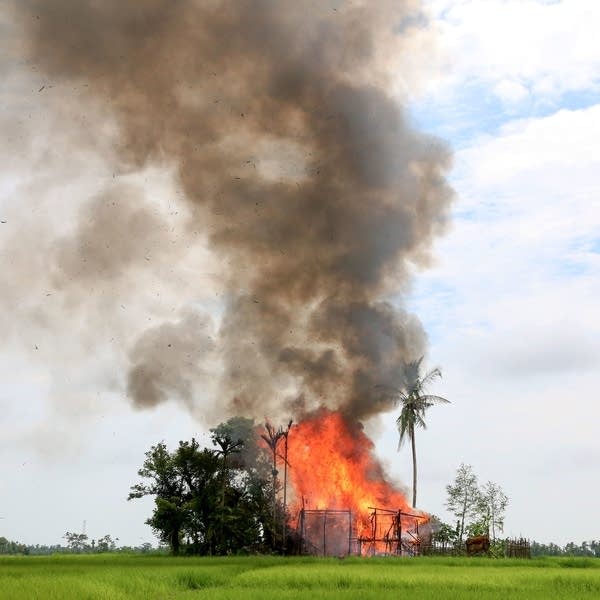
{"type": "Point", "coordinates": [513, 46]}
{"type": "Point", "coordinates": [527, 217]}
{"type": "Point", "coordinates": [512, 311]}
{"type": "Point", "coordinates": [567, 140]}
{"type": "Point", "coordinates": [511, 92]}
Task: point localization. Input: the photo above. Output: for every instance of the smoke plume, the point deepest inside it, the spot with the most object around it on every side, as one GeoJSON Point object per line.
{"type": "Point", "coordinates": [299, 171]}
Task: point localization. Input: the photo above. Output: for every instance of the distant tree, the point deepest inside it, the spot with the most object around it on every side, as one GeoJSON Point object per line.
{"type": "Point", "coordinates": [414, 403]}
{"type": "Point", "coordinates": [463, 497]}
{"type": "Point", "coordinates": [77, 542]}
{"type": "Point", "coordinates": [10, 547]}
{"type": "Point", "coordinates": [587, 548]}
{"type": "Point", "coordinates": [106, 544]}
{"type": "Point", "coordinates": [145, 548]}
{"type": "Point", "coordinates": [491, 507]}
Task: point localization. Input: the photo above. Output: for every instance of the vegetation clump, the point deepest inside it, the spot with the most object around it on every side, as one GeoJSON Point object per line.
{"type": "Point", "coordinates": [212, 501]}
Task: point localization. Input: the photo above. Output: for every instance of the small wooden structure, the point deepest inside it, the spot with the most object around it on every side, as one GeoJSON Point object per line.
{"type": "Point", "coordinates": [392, 533]}
{"type": "Point", "coordinates": [325, 532]}
{"type": "Point", "coordinates": [330, 532]}
{"type": "Point", "coordinates": [517, 548]}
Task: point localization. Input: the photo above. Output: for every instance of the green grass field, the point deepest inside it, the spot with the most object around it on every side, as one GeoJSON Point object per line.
{"type": "Point", "coordinates": [120, 576]}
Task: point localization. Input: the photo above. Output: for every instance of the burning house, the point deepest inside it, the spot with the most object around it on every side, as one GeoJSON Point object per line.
{"type": "Point", "coordinates": [341, 501]}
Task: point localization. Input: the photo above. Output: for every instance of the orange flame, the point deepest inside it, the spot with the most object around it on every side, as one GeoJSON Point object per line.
{"type": "Point", "coordinates": [332, 466]}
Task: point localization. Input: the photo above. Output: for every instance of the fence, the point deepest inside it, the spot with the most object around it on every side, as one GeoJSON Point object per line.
{"type": "Point", "coordinates": [518, 548]}
{"type": "Point", "coordinates": [326, 532]}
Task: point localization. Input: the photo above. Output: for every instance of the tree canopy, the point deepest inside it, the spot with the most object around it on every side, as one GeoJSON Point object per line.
{"type": "Point", "coordinates": [209, 501]}
{"type": "Point", "coordinates": [479, 510]}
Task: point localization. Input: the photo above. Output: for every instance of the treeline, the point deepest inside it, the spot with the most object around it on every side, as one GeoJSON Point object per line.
{"type": "Point", "coordinates": [588, 548]}
{"type": "Point", "coordinates": [9, 547]}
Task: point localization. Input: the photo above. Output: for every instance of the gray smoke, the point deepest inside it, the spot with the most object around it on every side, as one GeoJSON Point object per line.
{"type": "Point", "coordinates": [298, 169]}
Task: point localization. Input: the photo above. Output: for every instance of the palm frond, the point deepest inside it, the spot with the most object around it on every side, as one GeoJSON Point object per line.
{"type": "Point", "coordinates": [430, 376]}
{"type": "Point", "coordinates": [414, 403]}
{"type": "Point", "coordinates": [432, 399]}
{"type": "Point", "coordinates": [420, 421]}
{"type": "Point", "coordinates": [411, 371]}
{"type": "Point", "coordinates": [403, 426]}
{"type": "Point", "coordinates": [389, 392]}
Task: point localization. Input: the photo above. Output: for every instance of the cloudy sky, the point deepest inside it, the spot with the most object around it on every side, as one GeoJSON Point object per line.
{"type": "Point", "coordinates": [509, 304]}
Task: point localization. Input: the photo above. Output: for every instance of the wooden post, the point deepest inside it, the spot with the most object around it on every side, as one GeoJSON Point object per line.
{"type": "Point", "coordinates": [349, 532]}
{"type": "Point", "coordinates": [400, 532]}
{"type": "Point", "coordinates": [325, 533]}
{"type": "Point", "coordinates": [302, 529]}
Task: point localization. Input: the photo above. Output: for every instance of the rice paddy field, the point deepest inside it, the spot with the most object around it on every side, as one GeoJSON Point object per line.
{"type": "Point", "coordinates": [123, 576]}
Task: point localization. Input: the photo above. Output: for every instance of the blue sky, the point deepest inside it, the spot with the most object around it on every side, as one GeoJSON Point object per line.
{"type": "Point", "coordinates": [509, 303]}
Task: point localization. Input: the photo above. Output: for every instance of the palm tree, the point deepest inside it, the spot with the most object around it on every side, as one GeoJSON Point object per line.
{"type": "Point", "coordinates": [414, 404]}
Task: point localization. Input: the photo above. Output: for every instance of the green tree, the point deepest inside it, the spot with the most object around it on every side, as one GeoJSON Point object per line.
{"type": "Point", "coordinates": [224, 437]}
{"type": "Point", "coordinates": [206, 501]}
{"type": "Point", "coordinates": [106, 544]}
{"type": "Point", "coordinates": [414, 403]}
{"type": "Point", "coordinates": [77, 542]}
{"type": "Point", "coordinates": [492, 506]}
{"type": "Point", "coordinates": [442, 532]}
{"type": "Point", "coordinates": [10, 547]}
{"type": "Point", "coordinates": [168, 486]}
{"type": "Point", "coordinates": [463, 499]}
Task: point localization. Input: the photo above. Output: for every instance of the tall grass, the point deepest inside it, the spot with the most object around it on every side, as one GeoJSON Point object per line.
{"type": "Point", "coordinates": [122, 576]}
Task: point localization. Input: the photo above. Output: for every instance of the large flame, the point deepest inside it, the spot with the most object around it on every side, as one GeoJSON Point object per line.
{"type": "Point", "coordinates": [332, 466]}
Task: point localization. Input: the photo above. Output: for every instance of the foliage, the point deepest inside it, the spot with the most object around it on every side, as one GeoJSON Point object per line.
{"type": "Point", "coordinates": [208, 501]}
{"type": "Point", "coordinates": [463, 498]}
{"type": "Point", "coordinates": [589, 548]}
{"type": "Point", "coordinates": [10, 547]}
{"type": "Point", "coordinates": [77, 542]}
{"type": "Point", "coordinates": [102, 545]}
{"type": "Point", "coordinates": [491, 508]}
{"type": "Point", "coordinates": [442, 532]}
{"type": "Point", "coordinates": [480, 511]}
{"type": "Point", "coordinates": [106, 544]}
{"type": "Point", "coordinates": [414, 403]}
{"type": "Point", "coordinates": [478, 527]}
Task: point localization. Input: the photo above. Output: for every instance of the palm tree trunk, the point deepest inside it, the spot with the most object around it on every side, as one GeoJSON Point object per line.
{"type": "Point", "coordinates": [414, 461]}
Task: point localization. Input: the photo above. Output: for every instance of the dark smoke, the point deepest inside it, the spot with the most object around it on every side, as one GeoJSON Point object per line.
{"type": "Point", "coordinates": [298, 167]}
